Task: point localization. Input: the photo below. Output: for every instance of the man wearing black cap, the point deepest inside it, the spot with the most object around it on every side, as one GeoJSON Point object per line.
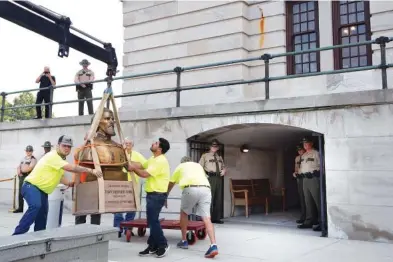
{"type": "Point", "coordinates": [213, 164]}
{"type": "Point", "coordinates": [47, 147]}
{"type": "Point", "coordinates": [298, 175]}
{"type": "Point", "coordinates": [310, 168]}
{"type": "Point", "coordinates": [43, 180]}
{"type": "Point", "coordinates": [24, 168]}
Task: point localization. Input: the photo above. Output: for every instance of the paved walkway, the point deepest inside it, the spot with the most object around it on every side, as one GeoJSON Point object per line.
{"type": "Point", "coordinates": [242, 242]}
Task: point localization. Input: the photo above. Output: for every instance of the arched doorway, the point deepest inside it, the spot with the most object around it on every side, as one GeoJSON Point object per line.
{"type": "Point", "coordinates": [270, 155]}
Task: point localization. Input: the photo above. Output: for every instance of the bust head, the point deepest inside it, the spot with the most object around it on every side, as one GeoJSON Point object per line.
{"type": "Point", "coordinates": [107, 123]}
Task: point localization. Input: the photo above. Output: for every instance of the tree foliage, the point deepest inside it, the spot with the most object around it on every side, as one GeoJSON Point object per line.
{"type": "Point", "coordinates": [23, 113]}
{"type": "Point", "coordinates": [7, 113]}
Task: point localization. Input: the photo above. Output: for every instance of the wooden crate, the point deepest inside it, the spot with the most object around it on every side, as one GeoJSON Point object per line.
{"type": "Point", "coordinates": [118, 196]}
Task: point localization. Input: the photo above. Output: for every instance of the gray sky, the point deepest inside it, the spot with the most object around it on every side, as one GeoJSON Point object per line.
{"type": "Point", "coordinates": [24, 53]}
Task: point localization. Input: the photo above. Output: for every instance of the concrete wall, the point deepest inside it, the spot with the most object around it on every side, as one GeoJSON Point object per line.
{"type": "Point", "coordinates": [358, 149]}
{"type": "Point", "coordinates": [160, 35]}
{"type": "Point", "coordinates": [254, 164]}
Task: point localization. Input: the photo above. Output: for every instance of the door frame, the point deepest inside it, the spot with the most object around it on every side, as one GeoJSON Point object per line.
{"type": "Point", "coordinates": [322, 186]}
{"type": "Point", "coordinates": [202, 147]}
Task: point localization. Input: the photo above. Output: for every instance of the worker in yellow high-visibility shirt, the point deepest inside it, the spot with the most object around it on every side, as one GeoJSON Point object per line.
{"type": "Point", "coordinates": [133, 156]}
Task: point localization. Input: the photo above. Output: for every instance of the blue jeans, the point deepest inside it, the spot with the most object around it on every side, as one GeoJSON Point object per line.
{"type": "Point", "coordinates": [37, 212]}
{"type": "Point", "coordinates": [118, 218]}
{"type": "Point", "coordinates": [154, 204]}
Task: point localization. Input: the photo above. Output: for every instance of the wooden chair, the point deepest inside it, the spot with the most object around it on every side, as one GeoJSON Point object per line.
{"type": "Point", "coordinates": [242, 194]}
{"type": "Point", "coordinates": [262, 189]}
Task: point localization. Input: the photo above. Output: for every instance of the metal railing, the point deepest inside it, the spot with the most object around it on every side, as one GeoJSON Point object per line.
{"type": "Point", "coordinates": [381, 41]}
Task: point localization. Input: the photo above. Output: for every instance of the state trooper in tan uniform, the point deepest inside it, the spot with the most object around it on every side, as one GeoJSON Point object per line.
{"type": "Point", "coordinates": [310, 171]}
{"type": "Point", "coordinates": [299, 180]}
{"type": "Point", "coordinates": [214, 166]}
{"type": "Point", "coordinates": [84, 90]}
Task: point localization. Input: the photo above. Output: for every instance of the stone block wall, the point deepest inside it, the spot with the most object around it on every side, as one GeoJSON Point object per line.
{"type": "Point", "coordinates": [358, 142]}
{"type": "Point", "coordinates": [160, 35]}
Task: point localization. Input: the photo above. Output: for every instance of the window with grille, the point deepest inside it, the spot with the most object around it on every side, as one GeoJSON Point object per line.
{"type": "Point", "coordinates": [351, 24]}
{"type": "Point", "coordinates": [302, 34]}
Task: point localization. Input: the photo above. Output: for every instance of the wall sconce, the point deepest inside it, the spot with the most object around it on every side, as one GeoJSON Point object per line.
{"type": "Point", "coordinates": [244, 149]}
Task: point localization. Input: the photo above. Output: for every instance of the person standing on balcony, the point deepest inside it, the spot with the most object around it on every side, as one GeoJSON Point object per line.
{"type": "Point", "coordinates": [299, 178]}
{"type": "Point", "coordinates": [25, 167]}
{"type": "Point", "coordinates": [310, 168]}
{"type": "Point", "coordinates": [134, 156]}
{"type": "Point", "coordinates": [46, 79]}
{"type": "Point", "coordinates": [213, 164]}
{"type": "Point", "coordinates": [84, 90]}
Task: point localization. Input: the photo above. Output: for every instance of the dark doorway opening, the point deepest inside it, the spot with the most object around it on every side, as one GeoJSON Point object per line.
{"type": "Point", "coordinates": [265, 140]}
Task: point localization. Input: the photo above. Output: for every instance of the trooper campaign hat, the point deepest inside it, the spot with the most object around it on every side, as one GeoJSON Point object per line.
{"type": "Point", "coordinates": [47, 144]}
{"type": "Point", "coordinates": [215, 142]}
{"type": "Point", "coordinates": [84, 62]}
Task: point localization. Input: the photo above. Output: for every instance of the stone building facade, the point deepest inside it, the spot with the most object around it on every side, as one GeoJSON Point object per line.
{"type": "Point", "coordinates": [349, 110]}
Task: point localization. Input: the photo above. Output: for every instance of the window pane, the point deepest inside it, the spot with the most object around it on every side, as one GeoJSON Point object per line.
{"type": "Point", "coordinates": [303, 7]}
{"type": "Point", "coordinates": [344, 31]}
{"type": "Point", "coordinates": [295, 9]}
{"type": "Point", "coordinates": [303, 27]}
{"type": "Point", "coordinates": [305, 38]}
{"type": "Point", "coordinates": [303, 17]}
{"type": "Point", "coordinates": [304, 46]}
{"type": "Point", "coordinates": [313, 57]}
{"type": "Point", "coordinates": [345, 52]}
{"type": "Point", "coordinates": [354, 62]}
{"type": "Point", "coordinates": [313, 45]}
{"type": "Point", "coordinates": [344, 20]}
{"type": "Point", "coordinates": [306, 68]}
{"type": "Point", "coordinates": [345, 40]}
{"type": "Point", "coordinates": [363, 61]}
{"type": "Point", "coordinates": [362, 50]}
{"type": "Point", "coordinates": [352, 30]}
{"type": "Point", "coordinates": [343, 9]}
{"type": "Point", "coordinates": [352, 8]}
{"type": "Point", "coordinates": [311, 16]}
{"type": "Point", "coordinates": [360, 6]}
{"type": "Point", "coordinates": [362, 38]}
{"type": "Point", "coordinates": [305, 58]}
{"type": "Point", "coordinates": [361, 17]}
{"type": "Point", "coordinates": [354, 51]}
{"type": "Point", "coordinates": [297, 39]}
{"type": "Point", "coordinates": [312, 37]}
{"type": "Point", "coordinates": [298, 59]}
{"type": "Point", "coordinates": [313, 67]}
{"type": "Point", "coordinates": [310, 5]}
{"type": "Point", "coordinates": [354, 39]}
{"type": "Point", "coordinates": [296, 28]}
{"type": "Point", "coordinates": [352, 18]}
{"type": "Point", "coordinates": [296, 19]}
{"type": "Point", "coordinates": [346, 63]}
{"type": "Point", "coordinates": [298, 69]}
{"type": "Point", "coordinates": [298, 47]}
{"type": "Point", "coordinates": [311, 26]}
{"type": "Point", "coordinates": [361, 29]}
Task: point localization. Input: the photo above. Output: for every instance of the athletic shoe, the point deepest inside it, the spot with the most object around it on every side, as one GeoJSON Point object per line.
{"type": "Point", "coordinates": [212, 251]}
{"type": "Point", "coordinates": [148, 251]}
{"type": "Point", "coordinates": [183, 244]}
{"type": "Point", "coordinates": [162, 251]}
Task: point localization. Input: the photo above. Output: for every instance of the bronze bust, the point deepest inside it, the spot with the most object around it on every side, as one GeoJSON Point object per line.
{"type": "Point", "coordinates": [112, 155]}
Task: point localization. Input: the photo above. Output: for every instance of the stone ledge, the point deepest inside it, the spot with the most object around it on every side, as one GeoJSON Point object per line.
{"type": "Point", "coordinates": [338, 100]}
